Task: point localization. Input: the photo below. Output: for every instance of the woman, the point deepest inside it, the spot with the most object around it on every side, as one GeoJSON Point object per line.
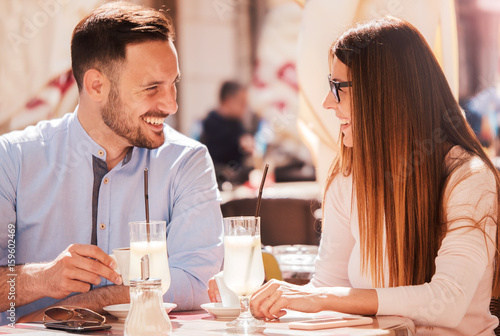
{"type": "Point", "coordinates": [411, 206]}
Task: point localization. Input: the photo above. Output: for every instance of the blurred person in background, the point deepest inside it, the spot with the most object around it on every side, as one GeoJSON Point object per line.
{"type": "Point", "coordinates": [229, 142]}
{"type": "Point", "coordinates": [478, 35]}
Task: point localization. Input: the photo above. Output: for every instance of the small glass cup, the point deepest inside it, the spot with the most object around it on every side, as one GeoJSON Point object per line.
{"type": "Point", "coordinates": [155, 246]}
{"type": "Point", "coordinates": [243, 266]}
{"type": "Point", "coordinates": [122, 259]}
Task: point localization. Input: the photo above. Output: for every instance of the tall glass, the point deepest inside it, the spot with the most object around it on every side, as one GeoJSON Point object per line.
{"type": "Point", "coordinates": [243, 266]}
{"type": "Point", "coordinates": [156, 247]}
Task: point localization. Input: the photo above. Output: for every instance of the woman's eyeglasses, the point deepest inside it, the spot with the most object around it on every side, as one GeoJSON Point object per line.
{"type": "Point", "coordinates": [336, 86]}
{"type": "Point", "coordinates": [74, 319]}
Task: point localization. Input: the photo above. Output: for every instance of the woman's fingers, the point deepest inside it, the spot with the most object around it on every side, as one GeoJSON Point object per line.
{"type": "Point", "coordinates": [264, 287]}
{"type": "Point", "coordinates": [278, 309]}
{"type": "Point", "coordinates": [260, 296]}
{"type": "Point", "coordinates": [268, 305]}
{"type": "Point", "coordinates": [269, 301]}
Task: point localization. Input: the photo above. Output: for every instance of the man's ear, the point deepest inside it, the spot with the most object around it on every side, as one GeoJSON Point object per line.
{"type": "Point", "coordinates": [97, 85]}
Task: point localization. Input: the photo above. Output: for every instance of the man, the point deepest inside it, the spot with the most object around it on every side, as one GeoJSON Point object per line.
{"type": "Point", "coordinates": [72, 185]}
{"type": "Point", "coordinates": [224, 134]}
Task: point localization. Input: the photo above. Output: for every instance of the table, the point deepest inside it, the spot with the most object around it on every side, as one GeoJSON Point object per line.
{"type": "Point", "coordinates": [199, 322]}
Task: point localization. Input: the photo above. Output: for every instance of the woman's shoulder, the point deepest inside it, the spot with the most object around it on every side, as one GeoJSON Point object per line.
{"type": "Point", "coordinates": [338, 196]}
{"type": "Point", "coordinates": [339, 189]}
{"type": "Point", "coordinates": [470, 179]}
{"type": "Point", "coordinates": [463, 165]}
{"type": "Point", "coordinates": [340, 182]}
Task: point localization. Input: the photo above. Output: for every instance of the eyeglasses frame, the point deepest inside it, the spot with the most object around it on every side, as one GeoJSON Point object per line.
{"type": "Point", "coordinates": [335, 87]}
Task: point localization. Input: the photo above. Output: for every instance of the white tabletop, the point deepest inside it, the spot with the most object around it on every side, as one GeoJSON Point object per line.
{"type": "Point", "coordinates": [196, 323]}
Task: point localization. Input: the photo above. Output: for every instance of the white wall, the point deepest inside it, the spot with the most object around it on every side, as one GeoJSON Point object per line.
{"type": "Point", "coordinates": [213, 41]}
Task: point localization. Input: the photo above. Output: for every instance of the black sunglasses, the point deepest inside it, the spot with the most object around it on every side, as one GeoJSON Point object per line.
{"type": "Point", "coordinates": [336, 86]}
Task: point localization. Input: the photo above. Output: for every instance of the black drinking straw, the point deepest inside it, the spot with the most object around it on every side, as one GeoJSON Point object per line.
{"type": "Point", "coordinates": [259, 199]}
{"type": "Point", "coordinates": [257, 212]}
{"type": "Point", "coordinates": [146, 199]}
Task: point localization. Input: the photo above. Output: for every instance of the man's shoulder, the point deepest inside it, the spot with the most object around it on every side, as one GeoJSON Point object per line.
{"type": "Point", "coordinates": [39, 133]}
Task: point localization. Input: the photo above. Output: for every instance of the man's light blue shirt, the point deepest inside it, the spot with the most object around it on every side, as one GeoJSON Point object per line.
{"type": "Point", "coordinates": [46, 183]}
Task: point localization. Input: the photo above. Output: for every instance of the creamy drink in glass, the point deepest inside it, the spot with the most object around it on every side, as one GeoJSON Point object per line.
{"type": "Point", "coordinates": [243, 266]}
{"type": "Point", "coordinates": [156, 247]}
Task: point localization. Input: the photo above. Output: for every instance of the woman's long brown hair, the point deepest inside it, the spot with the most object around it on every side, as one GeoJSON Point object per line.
{"type": "Point", "coordinates": [404, 121]}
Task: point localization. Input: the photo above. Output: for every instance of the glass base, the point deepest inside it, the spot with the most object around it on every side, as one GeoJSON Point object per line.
{"type": "Point", "coordinates": [245, 322]}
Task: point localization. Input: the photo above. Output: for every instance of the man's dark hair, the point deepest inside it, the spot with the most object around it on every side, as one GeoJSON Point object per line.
{"type": "Point", "coordinates": [228, 89]}
{"type": "Point", "coordinates": [99, 40]}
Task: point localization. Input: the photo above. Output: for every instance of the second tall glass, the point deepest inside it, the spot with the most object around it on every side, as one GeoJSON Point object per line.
{"type": "Point", "coordinates": [243, 266]}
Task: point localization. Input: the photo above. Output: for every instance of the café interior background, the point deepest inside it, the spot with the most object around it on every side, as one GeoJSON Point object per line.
{"type": "Point", "coordinates": [277, 47]}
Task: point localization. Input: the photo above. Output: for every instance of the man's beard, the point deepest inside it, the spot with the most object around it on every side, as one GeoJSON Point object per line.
{"type": "Point", "coordinates": [117, 120]}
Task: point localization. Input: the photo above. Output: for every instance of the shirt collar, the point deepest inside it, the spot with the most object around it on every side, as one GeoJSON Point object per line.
{"type": "Point", "coordinates": [128, 156]}
{"type": "Point", "coordinates": [85, 143]}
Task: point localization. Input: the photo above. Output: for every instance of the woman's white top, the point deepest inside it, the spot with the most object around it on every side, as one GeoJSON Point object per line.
{"type": "Point", "coordinates": [456, 300]}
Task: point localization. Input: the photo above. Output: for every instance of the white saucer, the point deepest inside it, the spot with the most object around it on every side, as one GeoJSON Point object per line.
{"type": "Point", "coordinates": [220, 311]}
{"type": "Point", "coordinates": [121, 310]}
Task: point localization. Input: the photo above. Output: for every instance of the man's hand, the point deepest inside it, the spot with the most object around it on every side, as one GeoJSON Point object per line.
{"type": "Point", "coordinates": [213, 291]}
{"type": "Point", "coordinates": [247, 144]}
{"type": "Point", "coordinates": [75, 269]}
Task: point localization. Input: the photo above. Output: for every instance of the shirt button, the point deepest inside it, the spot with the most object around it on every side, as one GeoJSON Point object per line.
{"type": "Point", "coordinates": [106, 180]}
{"type": "Point", "coordinates": [100, 152]}
{"type": "Point", "coordinates": [102, 226]}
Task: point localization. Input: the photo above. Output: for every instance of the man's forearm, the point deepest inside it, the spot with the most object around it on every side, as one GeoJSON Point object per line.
{"type": "Point", "coordinates": [19, 285]}
{"type": "Point", "coordinates": [98, 298]}
{"type": "Point", "coordinates": [95, 300]}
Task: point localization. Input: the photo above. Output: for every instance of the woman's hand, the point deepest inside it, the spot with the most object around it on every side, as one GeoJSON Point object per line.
{"type": "Point", "coordinates": [275, 296]}
{"type": "Point", "coordinates": [271, 300]}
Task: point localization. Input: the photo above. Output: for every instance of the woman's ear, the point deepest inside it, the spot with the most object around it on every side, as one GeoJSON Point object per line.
{"type": "Point", "coordinates": [97, 85]}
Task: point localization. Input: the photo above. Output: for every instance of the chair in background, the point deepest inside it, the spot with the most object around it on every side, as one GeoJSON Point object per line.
{"type": "Point", "coordinates": [284, 221]}
{"type": "Point", "coordinates": [495, 310]}
{"type": "Point", "coordinates": [271, 267]}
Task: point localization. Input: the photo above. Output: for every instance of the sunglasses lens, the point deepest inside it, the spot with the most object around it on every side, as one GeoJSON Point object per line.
{"type": "Point", "coordinates": [89, 315]}
{"type": "Point", "coordinates": [59, 314]}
